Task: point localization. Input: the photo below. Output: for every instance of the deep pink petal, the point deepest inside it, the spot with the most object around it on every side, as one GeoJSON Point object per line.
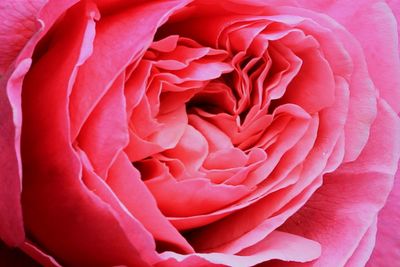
{"type": "Point", "coordinates": [133, 228]}
{"type": "Point", "coordinates": [16, 257]}
{"type": "Point", "coordinates": [59, 210]}
{"type": "Point", "coordinates": [11, 226]}
{"type": "Point", "coordinates": [39, 255]}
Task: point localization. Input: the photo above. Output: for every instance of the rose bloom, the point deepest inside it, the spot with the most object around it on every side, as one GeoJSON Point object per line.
{"type": "Point", "coordinates": [199, 133]}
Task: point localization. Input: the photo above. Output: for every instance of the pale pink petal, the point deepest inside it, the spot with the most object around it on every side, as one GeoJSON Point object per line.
{"type": "Point", "coordinates": [365, 248]}
{"type": "Point", "coordinates": [191, 150]}
{"type": "Point", "coordinates": [226, 159]}
{"type": "Point", "coordinates": [381, 49]}
{"type": "Point", "coordinates": [395, 6]}
{"type": "Point", "coordinates": [339, 221]}
{"type": "Point", "coordinates": [216, 138]}
{"type": "Point", "coordinates": [388, 239]}
{"type": "Point", "coordinates": [277, 245]}
{"type": "Point", "coordinates": [167, 132]}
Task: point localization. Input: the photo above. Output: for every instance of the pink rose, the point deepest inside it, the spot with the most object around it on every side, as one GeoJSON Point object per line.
{"type": "Point", "coordinates": [199, 133]}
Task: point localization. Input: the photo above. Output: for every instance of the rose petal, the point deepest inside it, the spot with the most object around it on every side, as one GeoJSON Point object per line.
{"type": "Point", "coordinates": [362, 106]}
{"type": "Point", "coordinates": [11, 226]}
{"type": "Point", "coordinates": [216, 138]}
{"type": "Point", "coordinates": [191, 150]}
{"type": "Point", "coordinates": [360, 19]}
{"type": "Point", "coordinates": [314, 163]}
{"type": "Point", "coordinates": [313, 87]}
{"type": "Point", "coordinates": [196, 195]}
{"type": "Point", "coordinates": [339, 221]}
{"type": "Point", "coordinates": [249, 226]}
{"type": "Point", "coordinates": [105, 132]}
{"type": "Point", "coordinates": [365, 247]}
{"type": "Point", "coordinates": [58, 208]}
{"type": "Point", "coordinates": [226, 159]}
{"type": "Point", "coordinates": [166, 45]}
{"type": "Point", "coordinates": [140, 24]}
{"type": "Point", "coordinates": [135, 86]}
{"type": "Point", "coordinates": [387, 239]}
{"type": "Point", "coordinates": [16, 257]}
{"type": "Point", "coordinates": [125, 182]}
{"type": "Point", "coordinates": [18, 24]}
{"type": "Point", "coordinates": [394, 5]}
{"type": "Point", "coordinates": [167, 133]}
{"type": "Point", "coordinates": [133, 228]}
{"type": "Point", "coordinates": [277, 245]}
{"type": "Point", "coordinates": [39, 256]}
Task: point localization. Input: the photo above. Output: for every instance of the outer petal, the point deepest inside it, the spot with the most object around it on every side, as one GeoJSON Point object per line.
{"type": "Point", "coordinates": [387, 248]}
{"type": "Point", "coordinates": [37, 254]}
{"type": "Point", "coordinates": [365, 247]}
{"type": "Point", "coordinates": [342, 210]}
{"type": "Point", "coordinates": [11, 230]}
{"type": "Point", "coordinates": [17, 25]}
{"type": "Point", "coordinates": [395, 6]}
{"type": "Point", "coordinates": [11, 227]}
{"type": "Point", "coordinates": [15, 257]}
{"type": "Point", "coordinates": [61, 213]}
{"type": "Point", "coordinates": [381, 49]}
